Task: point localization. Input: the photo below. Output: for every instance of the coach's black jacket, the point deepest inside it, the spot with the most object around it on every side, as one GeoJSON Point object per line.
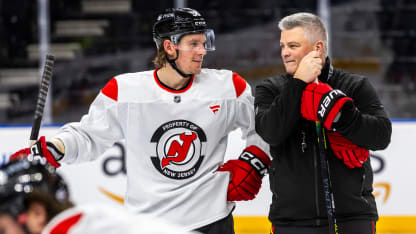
{"type": "Point", "coordinates": [295, 178]}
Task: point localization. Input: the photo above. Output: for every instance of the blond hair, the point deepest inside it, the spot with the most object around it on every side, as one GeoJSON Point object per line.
{"type": "Point", "coordinates": [161, 57]}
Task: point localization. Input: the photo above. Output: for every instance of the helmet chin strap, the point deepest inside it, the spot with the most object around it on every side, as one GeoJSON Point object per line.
{"type": "Point", "coordinates": [173, 64]}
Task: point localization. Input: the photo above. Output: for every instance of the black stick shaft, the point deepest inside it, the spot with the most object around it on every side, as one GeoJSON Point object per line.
{"type": "Point", "coordinates": [43, 92]}
{"type": "Point", "coordinates": [329, 195]}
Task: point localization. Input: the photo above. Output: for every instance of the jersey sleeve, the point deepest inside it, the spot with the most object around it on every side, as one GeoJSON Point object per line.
{"type": "Point", "coordinates": [96, 131]}
{"type": "Point", "coordinates": [244, 117]}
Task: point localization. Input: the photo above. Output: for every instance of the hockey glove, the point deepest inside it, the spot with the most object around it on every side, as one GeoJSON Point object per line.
{"type": "Point", "coordinates": [246, 174]}
{"type": "Point", "coordinates": [351, 154]}
{"type": "Point", "coordinates": [322, 103]}
{"type": "Point", "coordinates": [41, 149]}
{"type": "Point", "coordinates": [21, 154]}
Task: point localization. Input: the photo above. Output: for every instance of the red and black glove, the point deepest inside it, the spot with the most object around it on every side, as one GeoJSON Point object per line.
{"type": "Point", "coordinates": [350, 153]}
{"type": "Point", "coordinates": [246, 174]}
{"type": "Point", "coordinates": [21, 154]}
{"type": "Point", "coordinates": [322, 103]}
{"type": "Point", "coordinates": [41, 148]}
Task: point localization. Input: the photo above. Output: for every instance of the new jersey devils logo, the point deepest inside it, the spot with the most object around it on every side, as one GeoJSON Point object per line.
{"type": "Point", "coordinates": [177, 152]}
{"type": "Point", "coordinates": [178, 149]}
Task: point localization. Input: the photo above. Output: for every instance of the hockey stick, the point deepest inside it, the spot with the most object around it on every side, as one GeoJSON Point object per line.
{"type": "Point", "coordinates": [41, 101]}
{"type": "Point", "coordinates": [329, 195]}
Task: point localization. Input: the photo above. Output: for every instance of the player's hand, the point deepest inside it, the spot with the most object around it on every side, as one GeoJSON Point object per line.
{"type": "Point", "coordinates": [322, 103]}
{"type": "Point", "coordinates": [309, 68]}
{"type": "Point", "coordinates": [351, 154]}
{"type": "Point", "coordinates": [246, 174]}
{"type": "Point", "coordinates": [41, 148]}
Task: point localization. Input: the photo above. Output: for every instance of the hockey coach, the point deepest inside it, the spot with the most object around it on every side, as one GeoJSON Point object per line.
{"type": "Point", "coordinates": [320, 122]}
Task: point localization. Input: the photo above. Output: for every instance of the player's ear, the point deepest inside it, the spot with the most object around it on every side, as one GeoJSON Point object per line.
{"type": "Point", "coordinates": [169, 47]}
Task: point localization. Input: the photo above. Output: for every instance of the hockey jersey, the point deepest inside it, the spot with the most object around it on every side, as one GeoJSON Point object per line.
{"type": "Point", "coordinates": [175, 141]}
{"type": "Point", "coordinates": [108, 219]}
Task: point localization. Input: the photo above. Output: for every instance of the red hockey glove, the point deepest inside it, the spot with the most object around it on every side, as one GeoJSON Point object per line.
{"type": "Point", "coordinates": [322, 103]}
{"type": "Point", "coordinates": [351, 154]}
{"type": "Point", "coordinates": [41, 149]}
{"type": "Point", "coordinates": [23, 153]}
{"type": "Point", "coordinates": [246, 174]}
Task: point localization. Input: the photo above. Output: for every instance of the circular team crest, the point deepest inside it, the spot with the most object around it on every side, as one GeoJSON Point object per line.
{"type": "Point", "coordinates": [178, 149]}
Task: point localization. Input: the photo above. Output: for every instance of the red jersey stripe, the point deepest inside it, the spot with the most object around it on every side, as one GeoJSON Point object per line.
{"type": "Point", "coordinates": [111, 89]}
{"type": "Point", "coordinates": [64, 226]}
{"type": "Point", "coordinates": [239, 84]}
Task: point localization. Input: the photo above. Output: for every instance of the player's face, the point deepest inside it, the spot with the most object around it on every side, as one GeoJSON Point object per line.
{"type": "Point", "coordinates": [294, 46]}
{"type": "Point", "coordinates": [9, 226]}
{"type": "Point", "coordinates": [36, 217]}
{"type": "Point", "coordinates": [192, 52]}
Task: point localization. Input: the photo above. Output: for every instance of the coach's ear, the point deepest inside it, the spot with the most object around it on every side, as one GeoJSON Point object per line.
{"type": "Point", "coordinates": [319, 46]}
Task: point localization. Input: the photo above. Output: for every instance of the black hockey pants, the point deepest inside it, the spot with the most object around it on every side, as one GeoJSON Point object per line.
{"type": "Point", "coordinates": [349, 227]}
{"type": "Point", "coordinates": [222, 226]}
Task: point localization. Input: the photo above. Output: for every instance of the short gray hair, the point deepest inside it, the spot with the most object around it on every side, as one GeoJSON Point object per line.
{"type": "Point", "coordinates": [313, 26]}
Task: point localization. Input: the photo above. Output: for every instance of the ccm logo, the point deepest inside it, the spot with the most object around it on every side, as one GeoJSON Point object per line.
{"type": "Point", "coordinates": [329, 100]}
{"type": "Point", "coordinates": [255, 162]}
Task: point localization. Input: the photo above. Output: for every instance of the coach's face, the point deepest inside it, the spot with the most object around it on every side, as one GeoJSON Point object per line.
{"type": "Point", "coordinates": [294, 46]}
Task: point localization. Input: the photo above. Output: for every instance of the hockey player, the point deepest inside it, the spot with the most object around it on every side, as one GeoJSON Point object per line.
{"type": "Point", "coordinates": [175, 121]}
{"type": "Point", "coordinates": [31, 195]}
{"type": "Point", "coordinates": [35, 199]}
{"type": "Point", "coordinates": [289, 110]}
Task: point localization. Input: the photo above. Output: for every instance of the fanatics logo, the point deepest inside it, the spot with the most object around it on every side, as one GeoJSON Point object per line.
{"type": "Point", "coordinates": [178, 149]}
{"type": "Point", "coordinates": [215, 108]}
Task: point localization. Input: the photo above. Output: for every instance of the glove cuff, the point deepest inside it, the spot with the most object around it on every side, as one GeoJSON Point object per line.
{"type": "Point", "coordinates": [257, 159]}
{"type": "Point", "coordinates": [57, 155]}
{"type": "Point", "coordinates": [340, 103]}
{"type": "Point", "coordinates": [47, 153]}
{"type": "Point", "coordinates": [329, 106]}
{"type": "Point", "coordinates": [327, 103]}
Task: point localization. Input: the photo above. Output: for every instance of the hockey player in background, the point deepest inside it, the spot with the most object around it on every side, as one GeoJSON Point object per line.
{"type": "Point", "coordinates": [175, 121]}
{"type": "Point", "coordinates": [289, 110]}
{"type": "Point", "coordinates": [35, 199]}
{"type": "Point", "coordinates": [31, 194]}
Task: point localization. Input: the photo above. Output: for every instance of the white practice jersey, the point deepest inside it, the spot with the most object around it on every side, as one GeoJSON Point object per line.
{"type": "Point", "coordinates": [175, 141]}
{"type": "Point", "coordinates": [108, 219]}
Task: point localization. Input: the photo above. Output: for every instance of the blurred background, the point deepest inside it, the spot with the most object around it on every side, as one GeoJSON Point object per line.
{"type": "Point", "coordinates": [94, 40]}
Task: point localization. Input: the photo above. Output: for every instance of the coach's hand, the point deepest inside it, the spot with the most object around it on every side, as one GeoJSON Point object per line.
{"type": "Point", "coordinates": [322, 103]}
{"type": "Point", "coordinates": [350, 153]}
{"type": "Point", "coordinates": [41, 148]}
{"type": "Point", "coordinates": [246, 174]}
{"type": "Point", "coordinates": [309, 67]}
